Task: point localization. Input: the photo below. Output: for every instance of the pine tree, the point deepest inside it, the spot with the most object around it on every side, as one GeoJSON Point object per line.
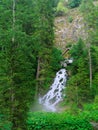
{"type": "Point", "coordinates": [46, 37]}
{"type": "Point", "coordinates": [78, 90]}
{"type": "Point", "coordinates": [90, 16]}
{"type": "Point", "coordinates": [26, 44]}
{"type": "Point", "coordinates": [17, 66]}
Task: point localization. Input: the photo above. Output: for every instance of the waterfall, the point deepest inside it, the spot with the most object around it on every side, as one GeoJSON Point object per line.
{"type": "Point", "coordinates": [50, 100]}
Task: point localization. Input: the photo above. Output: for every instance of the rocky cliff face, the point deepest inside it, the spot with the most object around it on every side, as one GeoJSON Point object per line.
{"type": "Point", "coordinates": [69, 28]}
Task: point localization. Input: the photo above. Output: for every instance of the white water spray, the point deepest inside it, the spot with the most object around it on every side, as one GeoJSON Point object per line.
{"type": "Point", "coordinates": [54, 95]}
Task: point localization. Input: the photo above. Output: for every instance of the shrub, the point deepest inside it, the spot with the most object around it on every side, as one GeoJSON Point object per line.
{"type": "Point", "coordinates": [56, 121]}
{"type": "Point", "coordinates": [74, 3]}
{"type": "Point", "coordinates": [4, 123]}
{"type": "Point", "coordinates": [90, 112]}
{"type": "Point", "coordinates": [61, 9]}
{"type": "Point", "coordinates": [70, 19]}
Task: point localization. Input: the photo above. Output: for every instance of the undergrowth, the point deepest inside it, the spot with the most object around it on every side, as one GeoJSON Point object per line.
{"type": "Point", "coordinates": [67, 120]}
{"type": "Point", "coordinates": [57, 121]}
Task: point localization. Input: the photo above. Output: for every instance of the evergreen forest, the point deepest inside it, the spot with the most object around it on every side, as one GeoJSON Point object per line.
{"type": "Point", "coordinates": [31, 53]}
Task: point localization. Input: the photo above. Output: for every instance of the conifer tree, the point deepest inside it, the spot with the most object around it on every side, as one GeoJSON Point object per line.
{"type": "Point", "coordinates": [46, 37]}
{"type": "Point", "coordinates": [90, 16]}
{"type": "Point", "coordinates": [78, 90]}
{"type": "Point", "coordinates": [26, 52]}
{"type": "Point", "coordinates": [17, 66]}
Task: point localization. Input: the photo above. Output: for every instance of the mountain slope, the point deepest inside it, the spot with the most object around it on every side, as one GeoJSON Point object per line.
{"type": "Point", "coordinates": [69, 28]}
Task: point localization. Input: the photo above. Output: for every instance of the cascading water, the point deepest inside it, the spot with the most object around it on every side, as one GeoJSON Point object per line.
{"type": "Point", "coordinates": [54, 95]}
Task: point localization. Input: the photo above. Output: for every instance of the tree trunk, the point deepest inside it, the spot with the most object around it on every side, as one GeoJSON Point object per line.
{"type": "Point", "coordinates": [12, 83]}
{"type": "Point", "coordinates": [37, 77]}
{"type": "Point", "coordinates": [90, 65]}
{"type": "Point", "coordinates": [13, 25]}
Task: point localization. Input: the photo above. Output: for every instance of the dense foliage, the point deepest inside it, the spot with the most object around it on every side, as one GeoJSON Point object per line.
{"type": "Point", "coordinates": [82, 85]}
{"type": "Point", "coordinates": [74, 3]}
{"type": "Point", "coordinates": [16, 66]}
{"type": "Point", "coordinates": [29, 61]}
{"type": "Point", "coordinates": [87, 7]}
{"type": "Point", "coordinates": [26, 56]}
{"type": "Point", "coordinates": [55, 121]}
{"type": "Point", "coordinates": [61, 9]}
{"type": "Point", "coordinates": [78, 90]}
{"type": "Point", "coordinates": [69, 120]}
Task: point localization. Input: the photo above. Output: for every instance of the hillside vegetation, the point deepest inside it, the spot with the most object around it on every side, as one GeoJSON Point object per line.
{"type": "Point", "coordinates": [35, 37]}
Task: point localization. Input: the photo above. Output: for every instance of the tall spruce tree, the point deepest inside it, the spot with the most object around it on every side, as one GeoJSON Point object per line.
{"type": "Point", "coordinates": [78, 90]}
{"type": "Point", "coordinates": [26, 53]}
{"type": "Point", "coordinates": [46, 37]}
{"type": "Point", "coordinates": [89, 77]}
{"type": "Point", "coordinates": [17, 66]}
{"type": "Point", "coordinates": [90, 14]}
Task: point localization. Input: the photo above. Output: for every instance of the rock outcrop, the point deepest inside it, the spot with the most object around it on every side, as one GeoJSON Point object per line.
{"type": "Point", "coordinates": [69, 28]}
{"type": "Point", "coordinates": [95, 125]}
